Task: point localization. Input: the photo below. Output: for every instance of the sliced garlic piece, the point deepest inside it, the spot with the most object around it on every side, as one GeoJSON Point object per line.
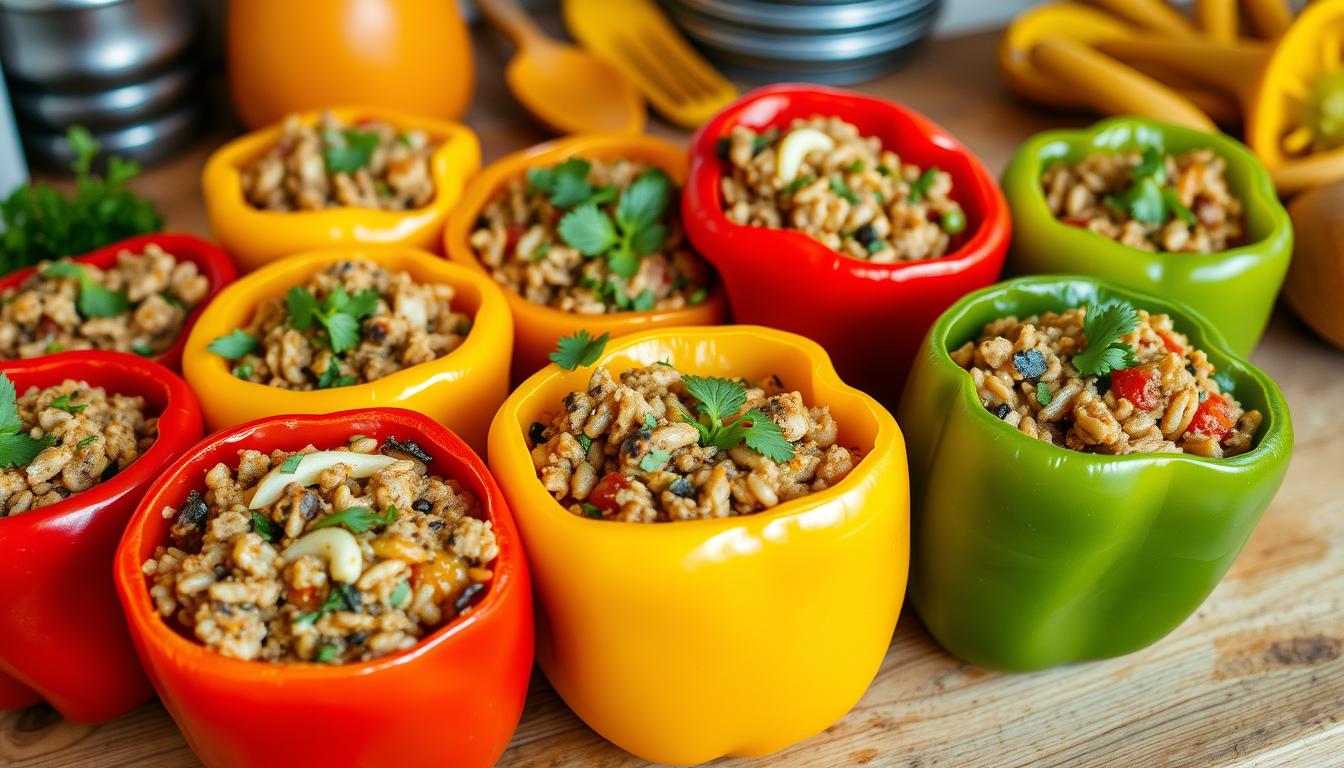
{"type": "Point", "coordinates": [335, 545]}
{"type": "Point", "coordinates": [794, 147]}
{"type": "Point", "coordinates": [273, 484]}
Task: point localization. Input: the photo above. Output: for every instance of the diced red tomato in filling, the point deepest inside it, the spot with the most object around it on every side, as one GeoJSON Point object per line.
{"type": "Point", "coordinates": [604, 493]}
{"type": "Point", "coordinates": [511, 237]}
{"type": "Point", "coordinates": [1170, 341]}
{"type": "Point", "coordinates": [1137, 385]}
{"type": "Point", "coordinates": [1213, 417]}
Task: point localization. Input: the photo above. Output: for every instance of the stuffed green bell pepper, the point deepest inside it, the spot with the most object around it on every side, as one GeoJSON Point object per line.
{"type": "Point", "coordinates": [1169, 210]}
{"type": "Point", "coordinates": [1086, 463]}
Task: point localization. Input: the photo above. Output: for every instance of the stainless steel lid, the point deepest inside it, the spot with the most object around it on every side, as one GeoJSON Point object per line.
{"type": "Point", "coordinates": [115, 107]}
{"type": "Point", "coordinates": [147, 142]}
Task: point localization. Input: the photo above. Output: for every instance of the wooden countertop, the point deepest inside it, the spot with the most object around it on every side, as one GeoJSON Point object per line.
{"type": "Point", "coordinates": [1254, 678]}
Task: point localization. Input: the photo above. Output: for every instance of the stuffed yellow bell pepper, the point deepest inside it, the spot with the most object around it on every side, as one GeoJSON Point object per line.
{"type": "Point", "coordinates": [255, 236]}
{"type": "Point", "coordinates": [738, 635]}
{"type": "Point", "coordinates": [243, 365]}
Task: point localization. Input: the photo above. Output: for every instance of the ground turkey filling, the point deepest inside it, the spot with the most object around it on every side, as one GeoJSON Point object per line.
{"type": "Point", "coordinates": [820, 177]}
{"type": "Point", "coordinates": [137, 305]}
{"type": "Point", "coordinates": [92, 435]}
{"type": "Point", "coordinates": [1169, 402]}
{"type": "Point", "coordinates": [1149, 200]}
{"type": "Point", "coordinates": [593, 455]}
{"type": "Point", "coordinates": [519, 238]}
{"type": "Point", "coordinates": [410, 323]}
{"type": "Point", "coordinates": [255, 584]}
{"type": "Point", "coordinates": [367, 164]}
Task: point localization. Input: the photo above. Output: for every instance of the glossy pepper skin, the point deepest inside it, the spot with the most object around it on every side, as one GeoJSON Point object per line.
{"type": "Point", "coordinates": [785, 279]}
{"type": "Point", "coordinates": [453, 699]}
{"type": "Point", "coordinates": [1028, 555]}
{"type": "Point", "coordinates": [661, 636]}
{"type": "Point", "coordinates": [460, 390]}
{"type": "Point", "coordinates": [1235, 289]}
{"type": "Point", "coordinates": [255, 237]}
{"type": "Point", "coordinates": [538, 327]}
{"type": "Point", "coordinates": [208, 258]}
{"type": "Point", "coordinates": [62, 634]}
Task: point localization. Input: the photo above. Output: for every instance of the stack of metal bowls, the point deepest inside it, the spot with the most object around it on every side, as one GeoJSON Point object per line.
{"type": "Point", "coordinates": [825, 41]}
{"type": "Point", "coordinates": [128, 70]}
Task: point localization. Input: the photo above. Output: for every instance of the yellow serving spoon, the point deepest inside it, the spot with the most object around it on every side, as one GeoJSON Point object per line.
{"type": "Point", "coordinates": [565, 88]}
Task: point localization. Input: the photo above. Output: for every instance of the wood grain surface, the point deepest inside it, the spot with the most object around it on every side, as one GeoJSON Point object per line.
{"type": "Point", "coordinates": [1254, 679]}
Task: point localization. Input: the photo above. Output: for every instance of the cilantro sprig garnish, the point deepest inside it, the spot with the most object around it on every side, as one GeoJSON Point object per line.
{"type": "Point", "coordinates": [233, 345]}
{"type": "Point", "coordinates": [17, 447]}
{"type": "Point", "coordinates": [567, 185]}
{"type": "Point", "coordinates": [1148, 198]}
{"type": "Point", "coordinates": [1104, 325]}
{"type": "Point", "coordinates": [67, 404]}
{"type": "Point", "coordinates": [338, 313]}
{"type": "Point", "coordinates": [722, 398]}
{"type": "Point", "coordinates": [358, 519]}
{"type": "Point", "coordinates": [579, 349]}
{"type": "Point", "coordinates": [348, 151]}
{"type": "Point", "coordinates": [634, 230]}
{"type": "Point", "coordinates": [94, 300]}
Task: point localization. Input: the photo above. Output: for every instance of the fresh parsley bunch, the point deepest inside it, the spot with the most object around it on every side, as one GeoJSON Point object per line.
{"type": "Point", "coordinates": [721, 398]}
{"type": "Point", "coordinates": [42, 224]}
{"type": "Point", "coordinates": [579, 349]}
{"type": "Point", "coordinates": [17, 447]}
{"type": "Point", "coordinates": [338, 313]}
{"type": "Point", "coordinates": [1148, 198]}
{"type": "Point", "coordinates": [1104, 325]}
{"type": "Point", "coordinates": [634, 230]}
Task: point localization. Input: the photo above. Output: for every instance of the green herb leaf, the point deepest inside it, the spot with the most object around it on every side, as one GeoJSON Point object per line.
{"type": "Point", "coordinates": [264, 527]}
{"type": "Point", "coordinates": [855, 167]}
{"type": "Point", "coordinates": [650, 421]}
{"type": "Point", "coordinates": [591, 510]}
{"type": "Point", "coordinates": [326, 654]}
{"type": "Point", "coordinates": [302, 307]}
{"type": "Point", "coordinates": [578, 350]}
{"type": "Point", "coordinates": [765, 437]}
{"type": "Point", "coordinates": [362, 304]}
{"type": "Point", "coordinates": [19, 450]}
{"type": "Point", "coordinates": [357, 519]}
{"type": "Point", "coordinates": [588, 230]}
{"type": "Point", "coordinates": [540, 251]}
{"type": "Point", "coordinates": [1145, 202]}
{"type": "Point", "coordinates": [10, 422]}
{"type": "Point", "coordinates": [698, 296]}
{"type": "Point", "coordinates": [64, 403]}
{"type": "Point", "coordinates": [399, 594]}
{"type": "Point", "coordinates": [143, 350]}
{"type": "Point", "coordinates": [291, 464]}
{"type": "Point", "coordinates": [233, 346]}
{"type": "Point", "coordinates": [1173, 200]}
{"type": "Point", "coordinates": [65, 269]}
{"type": "Point", "coordinates": [642, 203]}
{"type": "Point", "coordinates": [648, 240]}
{"type": "Point", "coordinates": [1104, 325]}
{"type": "Point", "coordinates": [306, 618]}
{"type": "Point", "coordinates": [243, 371]}
{"type": "Point", "coordinates": [84, 146]}
{"type": "Point", "coordinates": [1043, 395]}
{"type": "Point", "coordinates": [342, 330]}
{"type": "Point", "coordinates": [86, 441]}
{"type": "Point", "coordinates": [797, 184]}
{"type": "Point", "coordinates": [654, 460]}
{"type": "Point", "coordinates": [1153, 165]}
{"type": "Point", "coordinates": [332, 378]}
{"type": "Point", "coordinates": [644, 301]}
{"type": "Point", "coordinates": [719, 397]}
{"type": "Point", "coordinates": [921, 185]}
{"type": "Point", "coordinates": [348, 151]}
{"type": "Point", "coordinates": [839, 187]}
{"type": "Point", "coordinates": [94, 299]}
{"type": "Point", "coordinates": [585, 442]}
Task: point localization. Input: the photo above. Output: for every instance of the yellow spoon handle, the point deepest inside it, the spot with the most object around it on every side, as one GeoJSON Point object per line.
{"type": "Point", "coordinates": [1114, 88]}
{"type": "Point", "coordinates": [510, 18]}
{"type": "Point", "coordinates": [1268, 18]}
{"type": "Point", "coordinates": [1151, 14]}
{"type": "Point", "coordinates": [1218, 19]}
{"type": "Point", "coordinates": [1233, 69]}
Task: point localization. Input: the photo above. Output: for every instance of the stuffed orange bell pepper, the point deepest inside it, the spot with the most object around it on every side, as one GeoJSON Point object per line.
{"type": "Point", "coordinates": [248, 358]}
{"type": "Point", "coordinates": [431, 672]}
{"type": "Point", "coordinates": [604, 302]}
{"type": "Point", "coordinates": [739, 627]}
{"type": "Point", "coordinates": [256, 235]}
